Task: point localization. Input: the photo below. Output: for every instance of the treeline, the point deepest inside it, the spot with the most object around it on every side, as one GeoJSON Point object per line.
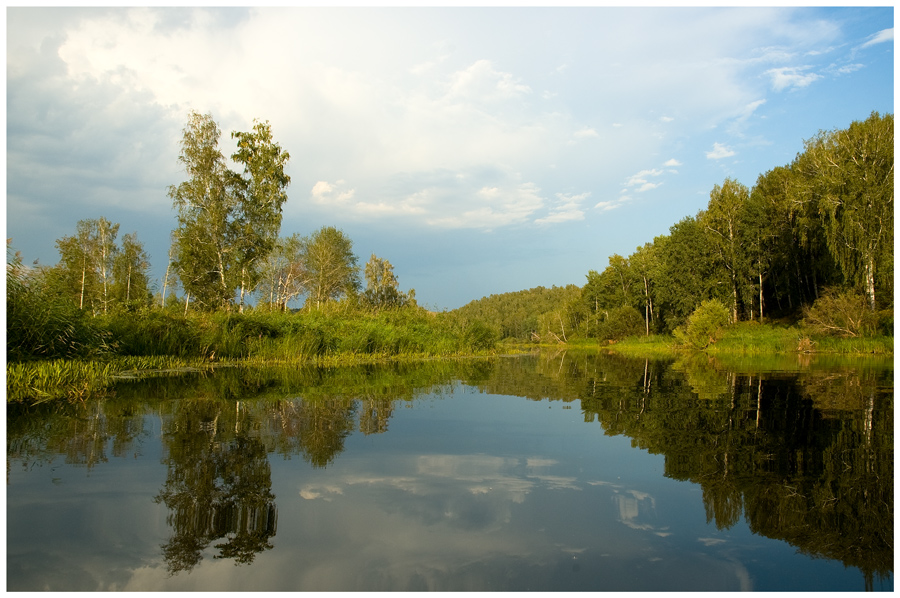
{"type": "Point", "coordinates": [226, 249]}
{"type": "Point", "coordinates": [812, 239]}
{"type": "Point", "coordinates": [523, 315]}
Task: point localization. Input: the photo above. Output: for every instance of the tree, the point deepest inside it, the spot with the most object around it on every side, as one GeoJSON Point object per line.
{"type": "Point", "coordinates": [687, 272]}
{"type": "Point", "coordinates": [261, 194]}
{"type": "Point", "coordinates": [643, 263]}
{"type": "Point", "coordinates": [381, 285]}
{"type": "Point", "coordinates": [850, 175]}
{"type": "Point", "coordinates": [131, 267]}
{"type": "Point", "coordinates": [206, 208]}
{"type": "Point", "coordinates": [283, 273]}
{"type": "Point", "coordinates": [722, 222]}
{"type": "Point", "coordinates": [86, 263]}
{"type": "Point", "coordinates": [76, 265]}
{"type": "Point", "coordinates": [105, 257]}
{"type": "Point", "coordinates": [330, 265]}
{"type": "Point", "coordinates": [227, 223]}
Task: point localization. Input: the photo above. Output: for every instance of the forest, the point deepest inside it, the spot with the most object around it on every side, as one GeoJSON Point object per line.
{"type": "Point", "coordinates": [811, 243]}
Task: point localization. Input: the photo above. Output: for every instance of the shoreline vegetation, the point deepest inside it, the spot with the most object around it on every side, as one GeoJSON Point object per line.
{"type": "Point", "coordinates": [165, 343]}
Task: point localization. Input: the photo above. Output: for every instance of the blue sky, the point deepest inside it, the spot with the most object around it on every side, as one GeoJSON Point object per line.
{"type": "Point", "coordinates": [479, 150]}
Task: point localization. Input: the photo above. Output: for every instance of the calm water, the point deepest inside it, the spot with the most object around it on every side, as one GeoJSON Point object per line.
{"type": "Point", "coordinates": [554, 472]}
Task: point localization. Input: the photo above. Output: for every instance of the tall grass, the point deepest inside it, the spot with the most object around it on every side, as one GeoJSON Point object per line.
{"type": "Point", "coordinates": [76, 379]}
{"type": "Point", "coordinates": [752, 338]}
{"type": "Point", "coordinates": [256, 336]}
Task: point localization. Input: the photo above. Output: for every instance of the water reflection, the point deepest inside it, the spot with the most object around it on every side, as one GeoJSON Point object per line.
{"type": "Point", "coordinates": [805, 457]}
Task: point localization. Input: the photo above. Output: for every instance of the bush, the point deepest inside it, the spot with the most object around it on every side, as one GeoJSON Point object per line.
{"type": "Point", "coordinates": [479, 336]}
{"type": "Point", "coordinates": [841, 313]}
{"type": "Point", "coordinates": [621, 322]}
{"type": "Point", "coordinates": [705, 326]}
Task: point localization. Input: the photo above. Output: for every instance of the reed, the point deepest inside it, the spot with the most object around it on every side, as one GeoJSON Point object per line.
{"type": "Point", "coordinates": [41, 381]}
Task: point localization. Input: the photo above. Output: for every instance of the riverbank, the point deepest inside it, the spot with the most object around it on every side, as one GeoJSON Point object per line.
{"type": "Point", "coordinates": [751, 338]}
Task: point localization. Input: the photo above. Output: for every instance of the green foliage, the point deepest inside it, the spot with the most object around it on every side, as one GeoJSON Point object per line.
{"type": "Point", "coordinates": [228, 223]}
{"type": "Point", "coordinates": [156, 332]}
{"type": "Point", "coordinates": [705, 326]}
{"type": "Point", "coordinates": [330, 266]}
{"type": "Point", "coordinates": [848, 175]}
{"type": "Point", "coordinates": [622, 322]}
{"type": "Point", "coordinates": [518, 315]}
{"type": "Point", "coordinates": [841, 313]}
{"type": "Point", "coordinates": [41, 324]}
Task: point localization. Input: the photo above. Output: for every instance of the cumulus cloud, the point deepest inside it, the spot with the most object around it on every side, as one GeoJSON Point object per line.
{"type": "Point", "coordinates": [672, 163]}
{"type": "Point", "coordinates": [719, 151]}
{"type": "Point", "coordinates": [327, 193]}
{"type": "Point", "coordinates": [640, 179]}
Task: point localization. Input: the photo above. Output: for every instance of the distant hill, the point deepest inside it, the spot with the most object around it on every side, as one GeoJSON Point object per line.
{"type": "Point", "coordinates": [518, 314]}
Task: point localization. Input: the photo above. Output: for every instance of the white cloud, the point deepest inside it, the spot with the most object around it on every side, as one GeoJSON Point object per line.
{"type": "Point", "coordinates": [605, 206]}
{"type": "Point", "coordinates": [719, 151]}
{"type": "Point", "coordinates": [672, 163]}
{"type": "Point", "coordinates": [666, 119]}
{"type": "Point", "coordinates": [640, 179]}
{"type": "Point", "coordinates": [568, 207]}
{"type": "Point", "coordinates": [845, 69]}
{"type": "Point", "coordinates": [791, 76]}
{"type": "Point", "coordinates": [885, 35]}
{"type": "Point", "coordinates": [481, 82]}
{"type": "Point", "coordinates": [326, 193]}
{"type": "Point", "coordinates": [492, 207]}
{"type": "Point", "coordinates": [586, 133]}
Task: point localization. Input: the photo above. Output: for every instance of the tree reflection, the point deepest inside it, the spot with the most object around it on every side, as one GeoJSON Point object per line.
{"type": "Point", "coordinates": [218, 486]}
{"type": "Point", "coordinates": [806, 459]}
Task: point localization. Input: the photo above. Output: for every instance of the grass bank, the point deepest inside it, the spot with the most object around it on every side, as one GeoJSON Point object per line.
{"type": "Point", "coordinates": [166, 340]}
{"type": "Point", "coordinates": [751, 338]}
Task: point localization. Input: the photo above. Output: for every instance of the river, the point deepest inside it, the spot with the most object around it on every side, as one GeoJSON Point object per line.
{"type": "Point", "coordinates": [554, 472]}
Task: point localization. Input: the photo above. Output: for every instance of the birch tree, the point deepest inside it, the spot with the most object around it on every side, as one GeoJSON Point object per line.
{"type": "Point", "coordinates": [261, 193]}
{"type": "Point", "coordinates": [227, 222]}
{"type": "Point", "coordinates": [331, 267]}
{"type": "Point", "coordinates": [849, 173]}
{"type": "Point", "coordinates": [206, 208]}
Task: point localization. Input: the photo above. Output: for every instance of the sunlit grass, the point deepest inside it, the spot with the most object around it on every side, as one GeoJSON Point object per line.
{"type": "Point", "coordinates": [41, 381]}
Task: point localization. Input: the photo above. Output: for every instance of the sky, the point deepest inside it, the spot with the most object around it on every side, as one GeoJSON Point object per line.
{"type": "Point", "coordinates": [479, 150]}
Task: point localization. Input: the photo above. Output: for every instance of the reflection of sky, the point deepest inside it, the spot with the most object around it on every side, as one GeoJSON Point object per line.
{"type": "Point", "coordinates": [474, 492]}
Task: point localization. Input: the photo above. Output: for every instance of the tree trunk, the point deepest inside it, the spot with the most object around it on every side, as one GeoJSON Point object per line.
{"type": "Point", "coordinates": [870, 281]}
{"type": "Point", "coordinates": [760, 297]}
{"type": "Point", "coordinates": [243, 277]}
{"type": "Point", "coordinates": [162, 302]}
{"type": "Point", "coordinates": [83, 274]}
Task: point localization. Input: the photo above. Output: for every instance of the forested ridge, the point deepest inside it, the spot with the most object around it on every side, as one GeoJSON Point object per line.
{"type": "Point", "coordinates": [811, 240]}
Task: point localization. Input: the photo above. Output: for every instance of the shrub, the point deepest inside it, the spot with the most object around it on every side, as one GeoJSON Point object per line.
{"type": "Point", "coordinates": [621, 322]}
{"type": "Point", "coordinates": [705, 326]}
{"type": "Point", "coordinates": [840, 313]}
{"type": "Point", "coordinates": [479, 336]}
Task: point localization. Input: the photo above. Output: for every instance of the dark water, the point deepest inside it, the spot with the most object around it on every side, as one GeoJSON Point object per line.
{"type": "Point", "coordinates": [559, 472]}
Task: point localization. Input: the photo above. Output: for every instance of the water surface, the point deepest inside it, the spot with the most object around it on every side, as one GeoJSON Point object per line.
{"type": "Point", "coordinates": [556, 472]}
